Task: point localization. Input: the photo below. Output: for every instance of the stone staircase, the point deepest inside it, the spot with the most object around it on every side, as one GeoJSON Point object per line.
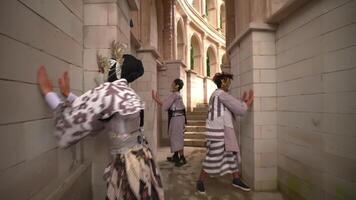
{"type": "Point", "coordinates": [195, 130]}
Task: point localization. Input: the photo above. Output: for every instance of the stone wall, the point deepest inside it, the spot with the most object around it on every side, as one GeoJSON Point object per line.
{"type": "Point", "coordinates": [254, 68]}
{"type": "Point", "coordinates": [316, 101]}
{"type": "Point", "coordinates": [32, 33]}
{"type": "Point", "coordinates": [104, 22]}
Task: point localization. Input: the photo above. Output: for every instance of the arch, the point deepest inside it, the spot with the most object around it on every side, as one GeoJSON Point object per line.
{"type": "Point", "coordinates": [224, 60]}
{"type": "Point", "coordinates": [196, 4]}
{"type": "Point", "coordinates": [195, 54]}
{"type": "Point", "coordinates": [181, 44]}
{"type": "Point", "coordinates": [211, 62]}
{"type": "Point", "coordinates": [211, 12]}
{"type": "Point", "coordinates": [222, 18]}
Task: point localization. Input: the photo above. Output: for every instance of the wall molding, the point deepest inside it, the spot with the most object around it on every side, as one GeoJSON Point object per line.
{"type": "Point", "coordinates": [253, 26]}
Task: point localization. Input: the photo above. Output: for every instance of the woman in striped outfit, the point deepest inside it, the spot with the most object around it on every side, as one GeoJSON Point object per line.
{"type": "Point", "coordinates": [223, 154]}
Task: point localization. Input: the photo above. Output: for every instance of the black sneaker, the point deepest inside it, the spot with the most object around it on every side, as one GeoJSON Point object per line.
{"type": "Point", "coordinates": [180, 162]}
{"type": "Point", "coordinates": [200, 187]}
{"type": "Point", "coordinates": [173, 158]}
{"type": "Point", "coordinates": [236, 182]}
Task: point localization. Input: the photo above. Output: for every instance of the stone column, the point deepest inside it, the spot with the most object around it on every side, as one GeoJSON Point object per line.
{"type": "Point", "coordinates": [103, 23]}
{"type": "Point", "coordinates": [143, 87]}
{"type": "Point", "coordinates": [253, 64]}
{"type": "Point", "coordinates": [187, 49]}
{"type": "Point", "coordinates": [230, 21]}
{"type": "Point", "coordinates": [218, 59]}
{"type": "Point", "coordinates": [203, 11]}
{"type": "Point", "coordinates": [168, 30]}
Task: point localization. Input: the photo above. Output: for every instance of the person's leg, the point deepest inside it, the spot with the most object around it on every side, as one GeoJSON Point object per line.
{"type": "Point", "coordinates": [200, 183]}
{"type": "Point", "coordinates": [203, 175]}
{"type": "Point", "coordinates": [235, 175]}
{"type": "Point", "coordinates": [174, 157]}
{"type": "Point", "coordinates": [181, 161]}
{"type": "Point", "coordinates": [237, 182]}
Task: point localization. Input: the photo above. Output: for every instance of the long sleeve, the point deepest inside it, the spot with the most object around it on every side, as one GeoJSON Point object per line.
{"type": "Point", "coordinates": [69, 130]}
{"type": "Point", "coordinates": [71, 97]}
{"type": "Point", "coordinates": [52, 100]}
{"type": "Point", "coordinates": [168, 102]}
{"type": "Point", "coordinates": [87, 113]}
{"type": "Point", "coordinates": [72, 123]}
{"type": "Point", "coordinates": [235, 106]}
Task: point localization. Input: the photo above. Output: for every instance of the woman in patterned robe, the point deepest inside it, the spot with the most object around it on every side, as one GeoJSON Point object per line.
{"type": "Point", "coordinates": [117, 109]}
{"type": "Point", "coordinates": [223, 154]}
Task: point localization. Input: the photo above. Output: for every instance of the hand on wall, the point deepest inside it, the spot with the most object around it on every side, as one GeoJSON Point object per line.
{"type": "Point", "coordinates": [43, 81]}
{"type": "Point", "coordinates": [64, 85]}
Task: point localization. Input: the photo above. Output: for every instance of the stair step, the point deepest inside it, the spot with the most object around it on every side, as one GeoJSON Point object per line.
{"type": "Point", "coordinates": [202, 109]}
{"type": "Point", "coordinates": [198, 113]}
{"type": "Point", "coordinates": [194, 135]}
{"type": "Point", "coordinates": [194, 142]}
{"type": "Point", "coordinates": [196, 117]}
{"type": "Point", "coordinates": [195, 128]}
{"type": "Point", "coordinates": [196, 122]}
{"type": "Point", "coordinates": [201, 105]}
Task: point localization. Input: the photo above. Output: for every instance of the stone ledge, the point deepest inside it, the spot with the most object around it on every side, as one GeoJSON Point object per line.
{"type": "Point", "coordinates": [288, 8]}
{"type": "Point", "coordinates": [253, 26]}
{"type": "Point", "coordinates": [151, 50]}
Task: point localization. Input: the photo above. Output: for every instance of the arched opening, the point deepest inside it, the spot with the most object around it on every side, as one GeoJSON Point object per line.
{"type": "Point", "coordinates": [222, 23]}
{"type": "Point", "coordinates": [196, 4]}
{"type": "Point", "coordinates": [211, 62]}
{"type": "Point", "coordinates": [224, 60]}
{"type": "Point", "coordinates": [195, 54]}
{"type": "Point", "coordinates": [210, 11]}
{"type": "Point", "coordinates": [180, 41]}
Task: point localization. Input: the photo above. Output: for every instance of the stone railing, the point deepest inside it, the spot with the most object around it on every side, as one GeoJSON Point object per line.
{"type": "Point", "coordinates": [199, 89]}
{"type": "Point", "coordinates": [199, 21]}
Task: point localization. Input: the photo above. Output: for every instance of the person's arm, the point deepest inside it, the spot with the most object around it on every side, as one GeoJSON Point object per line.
{"type": "Point", "coordinates": [235, 106]}
{"type": "Point", "coordinates": [71, 97]}
{"type": "Point", "coordinates": [52, 100]}
{"type": "Point", "coordinates": [168, 102]}
{"type": "Point", "coordinates": [72, 123]}
{"type": "Point", "coordinates": [156, 98]}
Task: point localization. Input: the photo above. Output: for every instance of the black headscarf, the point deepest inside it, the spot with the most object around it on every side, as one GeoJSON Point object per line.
{"type": "Point", "coordinates": [131, 69]}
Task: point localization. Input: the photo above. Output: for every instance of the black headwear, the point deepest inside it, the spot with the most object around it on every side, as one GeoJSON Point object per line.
{"type": "Point", "coordinates": [179, 82]}
{"type": "Point", "coordinates": [131, 69]}
{"type": "Point", "coordinates": [218, 77]}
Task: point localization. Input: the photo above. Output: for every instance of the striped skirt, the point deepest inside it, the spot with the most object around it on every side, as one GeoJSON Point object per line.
{"type": "Point", "coordinates": [217, 161]}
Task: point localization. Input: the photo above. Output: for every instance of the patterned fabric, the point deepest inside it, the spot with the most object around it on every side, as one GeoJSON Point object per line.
{"type": "Point", "coordinates": [218, 161]}
{"type": "Point", "coordinates": [133, 176]}
{"type": "Point", "coordinates": [215, 121]}
{"type": "Point", "coordinates": [81, 117]}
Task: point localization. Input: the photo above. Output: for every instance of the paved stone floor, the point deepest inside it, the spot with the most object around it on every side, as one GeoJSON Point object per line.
{"type": "Point", "coordinates": [179, 183]}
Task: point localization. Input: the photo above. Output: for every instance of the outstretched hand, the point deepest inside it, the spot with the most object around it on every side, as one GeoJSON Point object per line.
{"type": "Point", "coordinates": [155, 97]}
{"type": "Point", "coordinates": [64, 85]}
{"type": "Point", "coordinates": [248, 98]}
{"type": "Point", "coordinates": [43, 81]}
